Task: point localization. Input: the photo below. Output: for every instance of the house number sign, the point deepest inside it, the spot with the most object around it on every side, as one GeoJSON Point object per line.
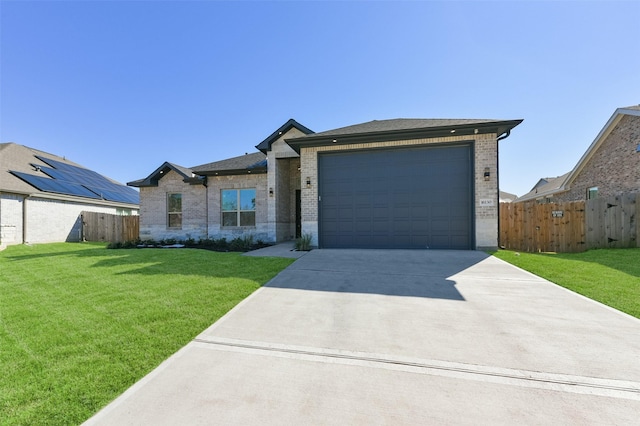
{"type": "Point", "coordinates": [557, 213]}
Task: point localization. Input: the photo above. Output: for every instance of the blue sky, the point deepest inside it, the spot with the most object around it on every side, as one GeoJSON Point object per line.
{"type": "Point", "coordinates": [120, 87]}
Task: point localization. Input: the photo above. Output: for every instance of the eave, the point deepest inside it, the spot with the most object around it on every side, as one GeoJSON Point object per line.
{"type": "Point", "coordinates": [497, 127]}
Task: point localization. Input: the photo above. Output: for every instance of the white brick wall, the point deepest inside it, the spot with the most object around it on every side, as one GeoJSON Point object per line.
{"type": "Point", "coordinates": [485, 149]}
{"type": "Point", "coordinates": [10, 219]}
{"type": "Point", "coordinates": [47, 220]}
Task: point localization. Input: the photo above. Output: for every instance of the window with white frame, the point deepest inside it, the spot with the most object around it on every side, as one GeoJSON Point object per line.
{"type": "Point", "coordinates": [174, 210]}
{"type": "Point", "coordinates": [592, 193]}
{"type": "Point", "coordinates": [238, 207]}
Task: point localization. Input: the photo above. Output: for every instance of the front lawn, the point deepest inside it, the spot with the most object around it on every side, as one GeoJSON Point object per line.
{"type": "Point", "coordinates": [79, 324]}
{"type": "Point", "coordinates": [610, 276]}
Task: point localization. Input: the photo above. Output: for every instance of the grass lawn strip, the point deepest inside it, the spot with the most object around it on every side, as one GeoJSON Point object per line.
{"type": "Point", "coordinates": [79, 324]}
{"type": "Point", "coordinates": [610, 276]}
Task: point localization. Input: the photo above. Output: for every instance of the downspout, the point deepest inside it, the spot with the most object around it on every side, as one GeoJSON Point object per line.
{"type": "Point", "coordinates": [24, 219]}
{"type": "Point", "coordinates": [502, 137]}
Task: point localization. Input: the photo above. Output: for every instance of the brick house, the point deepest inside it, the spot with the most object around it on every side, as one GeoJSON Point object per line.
{"type": "Point", "coordinates": [42, 196]}
{"type": "Point", "coordinates": [609, 167]}
{"type": "Point", "coordinates": [402, 183]}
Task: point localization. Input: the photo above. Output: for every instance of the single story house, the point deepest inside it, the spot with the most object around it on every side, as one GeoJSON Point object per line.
{"type": "Point", "coordinates": [42, 196]}
{"type": "Point", "coordinates": [400, 183]}
{"type": "Point", "coordinates": [609, 167]}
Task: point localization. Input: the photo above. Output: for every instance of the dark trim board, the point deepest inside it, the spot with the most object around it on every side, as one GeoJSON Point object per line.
{"type": "Point", "coordinates": [415, 197]}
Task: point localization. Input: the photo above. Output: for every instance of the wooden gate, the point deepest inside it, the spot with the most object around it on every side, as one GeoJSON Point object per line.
{"type": "Point", "coordinates": [613, 222]}
{"type": "Point", "coordinates": [109, 227]}
{"type": "Point", "coordinates": [532, 227]}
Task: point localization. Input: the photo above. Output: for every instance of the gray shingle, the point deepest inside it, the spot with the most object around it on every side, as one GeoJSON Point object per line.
{"type": "Point", "coordinates": [242, 162]}
{"type": "Point", "coordinates": [400, 124]}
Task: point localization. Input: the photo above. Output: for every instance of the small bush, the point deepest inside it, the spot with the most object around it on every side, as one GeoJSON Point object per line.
{"type": "Point", "coordinates": [129, 244]}
{"type": "Point", "coordinates": [304, 242]}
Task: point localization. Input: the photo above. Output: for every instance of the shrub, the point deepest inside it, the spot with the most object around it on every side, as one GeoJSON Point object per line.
{"type": "Point", "coordinates": [304, 242]}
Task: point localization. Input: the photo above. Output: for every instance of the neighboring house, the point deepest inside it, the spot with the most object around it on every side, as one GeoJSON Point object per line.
{"type": "Point", "coordinates": [609, 167]}
{"type": "Point", "coordinates": [42, 196]}
{"type": "Point", "coordinates": [506, 197]}
{"type": "Point", "coordinates": [402, 183]}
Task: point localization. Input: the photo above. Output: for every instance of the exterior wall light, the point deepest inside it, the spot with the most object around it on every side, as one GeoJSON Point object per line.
{"type": "Point", "coordinates": [270, 192]}
{"type": "Point", "coordinates": [487, 173]}
{"type": "Point", "coordinates": [308, 182]}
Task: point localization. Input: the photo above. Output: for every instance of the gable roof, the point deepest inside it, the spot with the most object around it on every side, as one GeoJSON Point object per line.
{"type": "Point", "coordinates": [265, 145]}
{"type": "Point", "coordinates": [249, 163]}
{"type": "Point", "coordinates": [29, 171]}
{"type": "Point", "coordinates": [545, 187]}
{"type": "Point", "coordinates": [600, 138]}
{"type": "Point", "coordinates": [403, 128]}
{"type": "Point", "coordinates": [563, 183]}
{"type": "Point", "coordinates": [152, 180]}
{"type": "Point", "coordinates": [506, 196]}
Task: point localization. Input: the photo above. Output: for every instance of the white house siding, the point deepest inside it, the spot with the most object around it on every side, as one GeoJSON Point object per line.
{"type": "Point", "coordinates": [486, 192]}
{"type": "Point", "coordinates": [51, 220]}
{"type": "Point", "coordinates": [10, 219]}
{"type": "Point", "coordinates": [153, 210]}
{"type": "Point", "coordinates": [47, 220]}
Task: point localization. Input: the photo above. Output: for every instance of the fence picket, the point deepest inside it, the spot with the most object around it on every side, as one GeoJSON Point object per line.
{"type": "Point", "coordinates": [109, 227]}
{"type": "Point", "coordinates": [571, 226]}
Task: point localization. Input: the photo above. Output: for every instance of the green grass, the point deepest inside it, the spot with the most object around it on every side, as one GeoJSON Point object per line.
{"type": "Point", "coordinates": [610, 276]}
{"type": "Point", "coordinates": [79, 324]}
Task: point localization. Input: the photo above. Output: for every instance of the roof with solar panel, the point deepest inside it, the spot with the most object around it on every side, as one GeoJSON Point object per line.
{"type": "Point", "coordinates": [26, 170]}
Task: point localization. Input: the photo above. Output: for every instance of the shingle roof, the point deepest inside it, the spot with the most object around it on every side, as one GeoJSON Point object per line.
{"type": "Point", "coordinates": [400, 124]}
{"type": "Point", "coordinates": [19, 164]}
{"type": "Point", "coordinates": [542, 189]}
{"type": "Point", "coordinates": [256, 162]}
{"type": "Point", "coordinates": [403, 128]}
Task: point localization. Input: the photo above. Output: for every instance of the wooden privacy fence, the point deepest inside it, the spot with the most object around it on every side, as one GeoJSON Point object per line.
{"type": "Point", "coordinates": [533, 227]}
{"type": "Point", "coordinates": [109, 227]}
{"type": "Point", "coordinates": [571, 226]}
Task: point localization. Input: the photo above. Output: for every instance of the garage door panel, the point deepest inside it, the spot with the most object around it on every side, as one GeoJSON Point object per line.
{"type": "Point", "coordinates": [400, 198]}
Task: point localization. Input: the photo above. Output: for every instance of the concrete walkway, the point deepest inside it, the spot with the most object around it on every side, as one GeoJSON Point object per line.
{"type": "Point", "coordinates": [286, 249]}
{"type": "Point", "coordinates": [399, 337]}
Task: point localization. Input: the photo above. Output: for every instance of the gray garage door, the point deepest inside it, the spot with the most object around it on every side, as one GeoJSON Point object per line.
{"type": "Point", "coordinates": [397, 198]}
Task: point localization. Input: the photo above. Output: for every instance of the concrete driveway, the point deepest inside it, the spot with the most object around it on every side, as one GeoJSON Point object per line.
{"type": "Point", "coordinates": [399, 337]}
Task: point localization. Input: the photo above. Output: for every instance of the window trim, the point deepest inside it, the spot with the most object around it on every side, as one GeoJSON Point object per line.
{"type": "Point", "coordinates": [170, 213]}
{"type": "Point", "coordinates": [238, 211]}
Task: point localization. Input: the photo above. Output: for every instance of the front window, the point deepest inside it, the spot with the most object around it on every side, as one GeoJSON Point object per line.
{"type": "Point", "coordinates": [238, 207]}
{"type": "Point", "coordinates": [174, 210]}
{"type": "Point", "coordinates": [592, 193]}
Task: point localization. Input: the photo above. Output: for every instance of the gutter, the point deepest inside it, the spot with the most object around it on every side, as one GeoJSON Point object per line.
{"type": "Point", "coordinates": [504, 135]}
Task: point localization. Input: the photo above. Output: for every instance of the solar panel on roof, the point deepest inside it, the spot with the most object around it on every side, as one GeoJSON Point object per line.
{"type": "Point", "coordinates": [72, 180]}
{"type": "Point", "coordinates": [52, 185]}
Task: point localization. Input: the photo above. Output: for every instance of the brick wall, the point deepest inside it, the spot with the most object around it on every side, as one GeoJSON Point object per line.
{"type": "Point", "coordinates": [486, 192]}
{"type": "Point", "coordinates": [614, 167]}
{"type": "Point", "coordinates": [10, 219]}
{"type": "Point", "coordinates": [263, 230]}
{"type": "Point", "coordinates": [56, 221]}
{"type": "Point", "coordinates": [153, 210]}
